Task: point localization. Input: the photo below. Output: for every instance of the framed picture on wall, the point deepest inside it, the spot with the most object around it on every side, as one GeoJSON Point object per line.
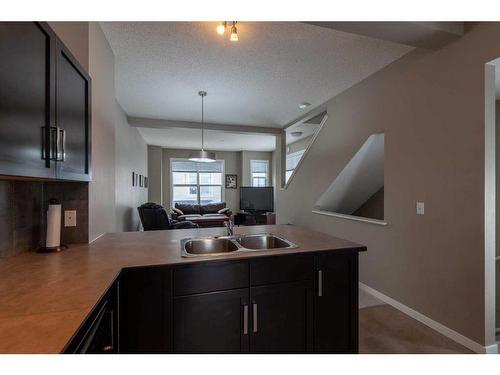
{"type": "Point", "coordinates": [141, 180]}
{"type": "Point", "coordinates": [146, 182]}
{"type": "Point", "coordinates": [133, 179]}
{"type": "Point", "coordinates": [231, 181]}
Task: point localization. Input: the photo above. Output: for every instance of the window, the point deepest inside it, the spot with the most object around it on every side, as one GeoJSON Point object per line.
{"type": "Point", "coordinates": [196, 183]}
{"type": "Point", "coordinates": [291, 162]}
{"type": "Point", "coordinates": [258, 172]}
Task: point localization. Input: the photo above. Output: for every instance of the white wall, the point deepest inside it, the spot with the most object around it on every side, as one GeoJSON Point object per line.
{"type": "Point", "coordinates": [130, 156]}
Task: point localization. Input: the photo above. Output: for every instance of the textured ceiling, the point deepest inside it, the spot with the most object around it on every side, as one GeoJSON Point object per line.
{"type": "Point", "coordinates": [214, 140]}
{"type": "Point", "coordinates": [260, 80]}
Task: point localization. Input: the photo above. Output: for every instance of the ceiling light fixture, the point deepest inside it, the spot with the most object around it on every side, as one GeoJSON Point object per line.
{"type": "Point", "coordinates": [221, 30]}
{"type": "Point", "coordinates": [304, 105]}
{"type": "Point", "coordinates": [202, 155]}
{"type": "Point", "coordinates": [234, 33]}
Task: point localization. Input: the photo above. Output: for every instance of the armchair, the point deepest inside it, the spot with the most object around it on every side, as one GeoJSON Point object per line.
{"type": "Point", "coordinates": [155, 217]}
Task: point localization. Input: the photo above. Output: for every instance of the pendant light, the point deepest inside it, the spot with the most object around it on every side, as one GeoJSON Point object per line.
{"type": "Point", "coordinates": [202, 155]}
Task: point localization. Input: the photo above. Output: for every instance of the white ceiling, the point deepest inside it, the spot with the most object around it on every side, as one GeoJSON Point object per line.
{"type": "Point", "coordinates": [182, 138]}
{"type": "Point", "coordinates": [260, 80]}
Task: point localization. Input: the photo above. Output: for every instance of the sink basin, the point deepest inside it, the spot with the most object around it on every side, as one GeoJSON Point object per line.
{"type": "Point", "coordinates": [263, 242]}
{"type": "Point", "coordinates": [208, 246]}
{"type": "Point", "coordinates": [191, 247]}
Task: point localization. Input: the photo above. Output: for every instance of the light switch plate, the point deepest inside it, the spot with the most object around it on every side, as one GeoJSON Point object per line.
{"type": "Point", "coordinates": [420, 208]}
{"type": "Point", "coordinates": [70, 218]}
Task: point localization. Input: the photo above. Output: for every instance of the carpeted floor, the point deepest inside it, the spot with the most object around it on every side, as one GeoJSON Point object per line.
{"type": "Point", "coordinates": [385, 330]}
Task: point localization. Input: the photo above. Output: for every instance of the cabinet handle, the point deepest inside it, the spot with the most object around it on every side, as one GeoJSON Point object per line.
{"type": "Point", "coordinates": [63, 145]}
{"type": "Point", "coordinates": [320, 283]}
{"type": "Point", "coordinates": [57, 143]}
{"type": "Point", "coordinates": [60, 141]}
{"type": "Point", "coordinates": [245, 319]}
{"type": "Point", "coordinates": [254, 305]}
{"type": "Point", "coordinates": [53, 136]}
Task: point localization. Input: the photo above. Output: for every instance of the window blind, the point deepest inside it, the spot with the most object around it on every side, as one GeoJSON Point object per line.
{"type": "Point", "coordinates": [258, 166]}
{"type": "Point", "coordinates": [193, 166]}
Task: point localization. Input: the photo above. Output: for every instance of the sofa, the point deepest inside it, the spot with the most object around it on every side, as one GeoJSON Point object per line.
{"type": "Point", "coordinates": [155, 217]}
{"type": "Point", "coordinates": [205, 215]}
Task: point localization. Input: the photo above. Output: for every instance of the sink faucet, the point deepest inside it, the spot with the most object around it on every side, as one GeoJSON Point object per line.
{"type": "Point", "coordinates": [230, 227]}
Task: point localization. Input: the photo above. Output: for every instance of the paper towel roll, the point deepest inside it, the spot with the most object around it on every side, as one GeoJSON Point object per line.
{"type": "Point", "coordinates": [53, 226]}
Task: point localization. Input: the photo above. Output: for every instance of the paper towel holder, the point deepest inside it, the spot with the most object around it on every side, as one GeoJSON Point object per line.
{"type": "Point", "coordinates": [52, 241]}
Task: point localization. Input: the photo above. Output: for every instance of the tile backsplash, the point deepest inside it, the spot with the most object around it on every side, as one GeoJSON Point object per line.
{"type": "Point", "coordinates": [23, 206]}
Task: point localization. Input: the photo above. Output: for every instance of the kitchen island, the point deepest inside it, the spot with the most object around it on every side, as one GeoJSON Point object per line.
{"type": "Point", "coordinates": [134, 292]}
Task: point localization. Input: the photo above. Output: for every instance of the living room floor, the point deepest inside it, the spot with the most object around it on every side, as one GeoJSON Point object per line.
{"type": "Point", "coordinates": [386, 330]}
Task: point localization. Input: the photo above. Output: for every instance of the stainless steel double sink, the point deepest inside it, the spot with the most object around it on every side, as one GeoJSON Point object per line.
{"type": "Point", "coordinates": [191, 247]}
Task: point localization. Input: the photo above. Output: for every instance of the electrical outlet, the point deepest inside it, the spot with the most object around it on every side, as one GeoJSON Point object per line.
{"type": "Point", "coordinates": [70, 218]}
{"type": "Point", "coordinates": [420, 208]}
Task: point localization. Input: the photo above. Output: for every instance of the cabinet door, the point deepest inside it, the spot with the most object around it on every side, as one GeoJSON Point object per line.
{"type": "Point", "coordinates": [281, 317]}
{"type": "Point", "coordinates": [26, 98]}
{"type": "Point", "coordinates": [145, 307]}
{"type": "Point", "coordinates": [336, 304]}
{"type": "Point", "coordinates": [212, 322]}
{"type": "Point", "coordinates": [72, 118]}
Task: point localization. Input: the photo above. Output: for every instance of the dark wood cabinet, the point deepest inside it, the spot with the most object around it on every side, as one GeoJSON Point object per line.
{"type": "Point", "coordinates": [298, 303]}
{"type": "Point", "coordinates": [212, 322]}
{"type": "Point", "coordinates": [146, 310]}
{"type": "Point", "coordinates": [336, 304]}
{"type": "Point", "coordinates": [72, 117]}
{"type": "Point", "coordinates": [44, 105]}
{"type": "Point", "coordinates": [27, 93]}
{"type": "Point", "coordinates": [247, 218]}
{"type": "Point", "coordinates": [282, 318]}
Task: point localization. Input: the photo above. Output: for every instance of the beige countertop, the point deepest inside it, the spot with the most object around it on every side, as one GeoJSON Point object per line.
{"type": "Point", "coordinates": [45, 297]}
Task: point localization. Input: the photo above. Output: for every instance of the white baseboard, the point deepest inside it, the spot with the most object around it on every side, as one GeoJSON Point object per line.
{"type": "Point", "coordinates": [448, 332]}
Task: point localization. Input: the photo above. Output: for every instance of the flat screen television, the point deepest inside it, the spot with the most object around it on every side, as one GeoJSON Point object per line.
{"type": "Point", "coordinates": [257, 199]}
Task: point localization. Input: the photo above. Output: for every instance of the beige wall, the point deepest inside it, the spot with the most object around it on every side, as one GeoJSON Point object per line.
{"type": "Point", "coordinates": [232, 165]}
{"type": "Point", "coordinates": [430, 105]}
{"type": "Point", "coordinates": [301, 144]}
{"type": "Point", "coordinates": [131, 155]}
{"type": "Point", "coordinates": [75, 36]}
{"type": "Point", "coordinates": [246, 157]}
{"type": "Point", "coordinates": [102, 188]}
{"type": "Point", "coordinates": [155, 191]}
{"type": "Point", "coordinates": [497, 219]}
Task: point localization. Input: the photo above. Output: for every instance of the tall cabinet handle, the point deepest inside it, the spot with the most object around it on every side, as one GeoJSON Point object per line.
{"type": "Point", "coordinates": [57, 143]}
{"type": "Point", "coordinates": [245, 319]}
{"type": "Point", "coordinates": [320, 283]}
{"type": "Point", "coordinates": [63, 145]}
{"type": "Point", "coordinates": [255, 327]}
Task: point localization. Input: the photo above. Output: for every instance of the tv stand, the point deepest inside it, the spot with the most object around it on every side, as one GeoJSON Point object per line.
{"type": "Point", "coordinates": [255, 218]}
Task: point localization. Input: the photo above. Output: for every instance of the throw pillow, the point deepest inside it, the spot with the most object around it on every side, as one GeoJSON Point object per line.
{"type": "Point", "coordinates": [177, 211]}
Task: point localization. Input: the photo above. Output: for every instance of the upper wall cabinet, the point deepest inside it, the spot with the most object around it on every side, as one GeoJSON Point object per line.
{"type": "Point", "coordinates": [72, 117]}
{"type": "Point", "coordinates": [44, 106]}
